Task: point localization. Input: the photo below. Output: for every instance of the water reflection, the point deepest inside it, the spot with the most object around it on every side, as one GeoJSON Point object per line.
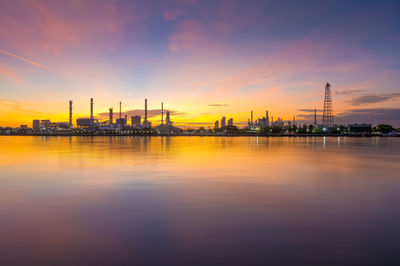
{"type": "Point", "coordinates": [199, 201]}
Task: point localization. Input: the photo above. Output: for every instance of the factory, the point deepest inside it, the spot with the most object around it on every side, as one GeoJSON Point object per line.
{"type": "Point", "coordinates": [167, 127]}
{"type": "Point", "coordinates": [139, 123]}
{"type": "Point", "coordinates": [91, 124]}
{"type": "Point", "coordinates": [223, 123]}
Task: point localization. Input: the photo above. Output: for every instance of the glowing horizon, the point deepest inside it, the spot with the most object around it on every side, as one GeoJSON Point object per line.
{"type": "Point", "coordinates": [203, 59]}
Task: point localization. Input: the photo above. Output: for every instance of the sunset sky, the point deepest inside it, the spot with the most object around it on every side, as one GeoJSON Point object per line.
{"type": "Point", "coordinates": [203, 59]}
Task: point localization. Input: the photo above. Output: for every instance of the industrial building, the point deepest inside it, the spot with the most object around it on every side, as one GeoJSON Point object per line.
{"type": "Point", "coordinates": [259, 122]}
{"type": "Point", "coordinates": [136, 121]}
{"type": "Point", "coordinates": [85, 122]}
{"type": "Point", "coordinates": [223, 122]}
{"type": "Point", "coordinates": [167, 127]}
{"type": "Point", "coordinates": [36, 125]}
{"type": "Point", "coordinates": [359, 128]}
{"type": "Point", "coordinates": [146, 124]}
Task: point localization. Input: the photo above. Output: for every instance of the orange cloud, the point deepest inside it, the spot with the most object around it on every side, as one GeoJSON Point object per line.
{"type": "Point", "coordinates": [10, 73]}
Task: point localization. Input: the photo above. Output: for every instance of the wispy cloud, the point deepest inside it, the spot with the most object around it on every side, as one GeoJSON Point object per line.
{"type": "Point", "coordinates": [24, 59]}
{"type": "Point", "coordinates": [15, 106]}
{"type": "Point", "coordinates": [370, 115]}
{"type": "Point", "coordinates": [217, 104]}
{"type": "Point", "coordinates": [309, 110]}
{"type": "Point", "coordinates": [347, 91]}
{"type": "Point", "coordinates": [374, 98]}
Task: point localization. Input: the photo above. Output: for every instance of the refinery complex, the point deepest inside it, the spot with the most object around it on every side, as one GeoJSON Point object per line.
{"type": "Point", "coordinates": [119, 125]}
{"type": "Point", "coordinates": [138, 125]}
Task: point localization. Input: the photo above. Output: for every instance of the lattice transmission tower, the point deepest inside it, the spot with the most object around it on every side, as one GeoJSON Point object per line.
{"type": "Point", "coordinates": [327, 118]}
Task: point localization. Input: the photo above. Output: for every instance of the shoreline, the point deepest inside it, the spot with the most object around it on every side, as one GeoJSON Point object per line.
{"type": "Point", "coordinates": [199, 135]}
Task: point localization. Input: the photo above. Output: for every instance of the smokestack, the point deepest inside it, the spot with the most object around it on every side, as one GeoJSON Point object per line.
{"type": "Point", "coordinates": [70, 113]}
{"type": "Point", "coordinates": [145, 109]}
{"type": "Point", "coordinates": [91, 108]}
{"type": "Point", "coordinates": [315, 117]}
{"type": "Point", "coordinates": [110, 113]}
{"type": "Point", "coordinates": [120, 104]}
{"type": "Point", "coordinates": [251, 118]}
{"type": "Point", "coordinates": [162, 113]}
{"type": "Point", "coordinates": [267, 117]}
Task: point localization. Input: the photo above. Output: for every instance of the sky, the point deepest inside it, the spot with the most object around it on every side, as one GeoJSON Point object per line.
{"type": "Point", "coordinates": [202, 59]}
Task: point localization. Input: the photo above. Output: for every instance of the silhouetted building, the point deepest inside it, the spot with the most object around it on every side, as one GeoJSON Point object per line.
{"type": "Point", "coordinates": [223, 121]}
{"type": "Point", "coordinates": [230, 122]}
{"type": "Point", "coordinates": [91, 108]}
{"type": "Point", "coordinates": [216, 126]}
{"type": "Point", "coordinates": [359, 128]}
{"type": "Point", "coordinates": [167, 128]}
{"type": "Point", "coordinates": [146, 123]}
{"type": "Point", "coordinates": [168, 119]}
{"type": "Point", "coordinates": [36, 125]}
{"type": "Point", "coordinates": [162, 113]}
{"type": "Point", "coordinates": [85, 122]}
{"type": "Point", "coordinates": [136, 120]}
{"type": "Point", "coordinates": [45, 124]}
{"type": "Point", "coordinates": [121, 122]}
{"type": "Point", "coordinates": [70, 113]}
{"type": "Point", "coordinates": [110, 116]}
{"type": "Point", "coordinates": [315, 117]}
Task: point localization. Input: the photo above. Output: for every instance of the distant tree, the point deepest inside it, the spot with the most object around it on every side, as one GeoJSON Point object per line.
{"type": "Point", "coordinates": [264, 130]}
{"type": "Point", "coordinates": [232, 129]}
{"type": "Point", "coordinates": [302, 129]}
{"type": "Point", "coordinates": [243, 130]}
{"type": "Point", "coordinates": [335, 129]}
{"type": "Point", "coordinates": [383, 128]}
{"type": "Point", "coordinates": [277, 129]}
{"type": "Point", "coordinates": [292, 128]}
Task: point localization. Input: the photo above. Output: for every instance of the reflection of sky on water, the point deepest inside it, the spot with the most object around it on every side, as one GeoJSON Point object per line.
{"type": "Point", "coordinates": [199, 200]}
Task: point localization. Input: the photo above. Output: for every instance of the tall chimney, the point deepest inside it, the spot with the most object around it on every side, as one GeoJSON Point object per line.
{"type": "Point", "coordinates": [120, 104]}
{"type": "Point", "coordinates": [251, 118]}
{"type": "Point", "coordinates": [315, 117]}
{"type": "Point", "coordinates": [267, 117]}
{"type": "Point", "coordinates": [91, 108]}
{"type": "Point", "coordinates": [145, 110]}
{"type": "Point", "coordinates": [70, 113]}
{"type": "Point", "coordinates": [110, 113]}
{"type": "Point", "coordinates": [162, 114]}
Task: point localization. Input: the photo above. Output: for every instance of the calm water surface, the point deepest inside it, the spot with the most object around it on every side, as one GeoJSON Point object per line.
{"type": "Point", "coordinates": [199, 201]}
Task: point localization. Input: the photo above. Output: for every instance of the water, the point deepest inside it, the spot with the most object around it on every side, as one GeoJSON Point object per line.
{"type": "Point", "coordinates": [199, 201]}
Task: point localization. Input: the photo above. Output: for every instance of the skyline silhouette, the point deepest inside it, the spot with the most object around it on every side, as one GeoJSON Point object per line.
{"type": "Point", "coordinates": [204, 58]}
